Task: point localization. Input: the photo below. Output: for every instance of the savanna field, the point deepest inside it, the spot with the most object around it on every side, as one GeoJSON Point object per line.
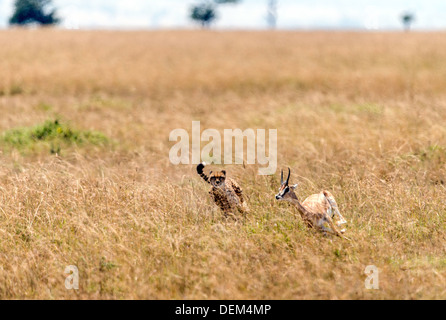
{"type": "Point", "coordinates": [85, 177]}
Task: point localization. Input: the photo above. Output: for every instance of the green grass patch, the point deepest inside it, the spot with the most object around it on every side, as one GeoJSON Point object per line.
{"type": "Point", "coordinates": [16, 90]}
{"type": "Point", "coordinates": [52, 135]}
{"type": "Point", "coordinates": [362, 109]}
{"type": "Point", "coordinates": [432, 153]}
{"type": "Point", "coordinates": [105, 265]}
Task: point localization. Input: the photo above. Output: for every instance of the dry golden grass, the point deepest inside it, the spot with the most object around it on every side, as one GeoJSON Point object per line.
{"type": "Point", "coordinates": [359, 114]}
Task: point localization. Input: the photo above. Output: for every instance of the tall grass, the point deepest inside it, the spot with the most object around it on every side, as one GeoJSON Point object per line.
{"type": "Point", "coordinates": [359, 114]}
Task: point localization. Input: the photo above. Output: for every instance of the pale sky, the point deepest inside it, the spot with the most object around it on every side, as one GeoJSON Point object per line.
{"type": "Point", "coordinates": [249, 14]}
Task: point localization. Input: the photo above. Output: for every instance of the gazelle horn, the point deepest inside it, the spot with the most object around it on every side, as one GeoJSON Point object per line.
{"type": "Point", "coordinates": [289, 175]}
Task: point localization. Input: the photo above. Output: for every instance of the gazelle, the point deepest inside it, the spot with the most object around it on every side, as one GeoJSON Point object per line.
{"type": "Point", "coordinates": [317, 210]}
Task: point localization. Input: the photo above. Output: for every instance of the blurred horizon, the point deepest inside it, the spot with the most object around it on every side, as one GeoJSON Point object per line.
{"type": "Point", "coordinates": [248, 14]}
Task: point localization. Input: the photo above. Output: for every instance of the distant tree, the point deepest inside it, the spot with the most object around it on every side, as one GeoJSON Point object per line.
{"type": "Point", "coordinates": [272, 14]}
{"type": "Point", "coordinates": [226, 1]}
{"type": "Point", "coordinates": [205, 12]}
{"type": "Point", "coordinates": [34, 11]}
{"type": "Point", "coordinates": [407, 19]}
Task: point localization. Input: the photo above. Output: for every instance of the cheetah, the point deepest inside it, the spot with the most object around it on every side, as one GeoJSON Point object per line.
{"type": "Point", "coordinates": [225, 192]}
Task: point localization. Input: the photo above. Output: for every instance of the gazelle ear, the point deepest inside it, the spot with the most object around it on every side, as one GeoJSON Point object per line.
{"type": "Point", "coordinates": [295, 186]}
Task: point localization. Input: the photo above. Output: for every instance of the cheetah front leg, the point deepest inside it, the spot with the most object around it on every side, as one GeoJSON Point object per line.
{"type": "Point", "coordinates": [229, 215]}
{"type": "Point", "coordinates": [242, 208]}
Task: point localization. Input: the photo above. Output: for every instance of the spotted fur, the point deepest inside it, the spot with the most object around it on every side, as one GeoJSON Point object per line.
{"type": "Point", "coordinates": [225, 192]}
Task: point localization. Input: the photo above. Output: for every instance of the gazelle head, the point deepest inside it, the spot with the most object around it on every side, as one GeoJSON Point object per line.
{"type": "Point", "coordinates": [286, 193]}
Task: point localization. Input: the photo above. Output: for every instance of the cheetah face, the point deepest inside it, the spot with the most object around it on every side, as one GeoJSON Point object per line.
{"type": "Point", "coordinates": [218, 179]}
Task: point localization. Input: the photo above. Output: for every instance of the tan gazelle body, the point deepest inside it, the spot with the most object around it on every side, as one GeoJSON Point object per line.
{"type": "Point", "coordinates": [318, 210]}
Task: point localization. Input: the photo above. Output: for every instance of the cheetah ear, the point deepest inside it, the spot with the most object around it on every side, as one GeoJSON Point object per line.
{"type": "Point", "coordinates": [224, 172]}
{"type": "Point", "coordinates": [210, 172]}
